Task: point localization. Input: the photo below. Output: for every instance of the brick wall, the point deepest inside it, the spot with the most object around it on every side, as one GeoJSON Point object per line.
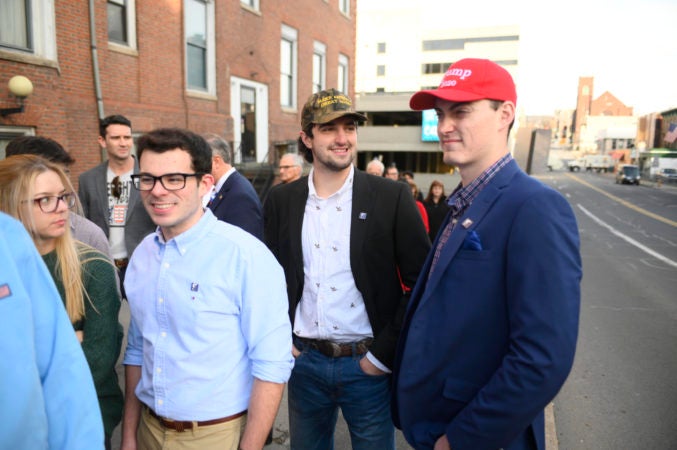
{"type": "Point", "coordinates": [147, 86]}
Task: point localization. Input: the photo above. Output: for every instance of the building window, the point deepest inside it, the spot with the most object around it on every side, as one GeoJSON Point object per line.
{"type": "Point", "coordinates": [434, 68]}
{"type": "Point", "coordinates": [381, 47]}
{"type": "Point", "coordinates": [27, 26]}
{"type": "Point", "coordinates": [344, 7]}
{"type": "Point", "coordinates": [343, 74]}
{"type": "Point", "coordinates": [459, 44]}
{"type": "Point", "coordinates": [288, 66]}
{"type": "Point", "coordinates": [200, 59]}
{"type": "Point", "coordinates": [380, 70]}
{"type": "Point", "coordinates": [251, 4]}
{"type": "Point", "coordinates": [319, 66]}
{"type": "Point", "coordinates": [15, 24]}
{"type": "Point", "coordinates": [121, 22]}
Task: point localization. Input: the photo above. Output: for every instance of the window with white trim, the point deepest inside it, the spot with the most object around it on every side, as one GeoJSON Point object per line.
{"type": "Point", "coordinates": [28, 27]}
{"type": "Point", "coordinates": [343, 73]}
{"type": "Point", "coordinates": [122, 22]}
{"type": "Point", "coordinates": [344, 6]}
{"type": "Point", "coordinates": [288, 66]}
{"type": "Point", "coordinates": [200, 53]}
{"type": "Point", "coordinates": [251, 4]}
{"type": "Point", "coordinates": [319, 66]}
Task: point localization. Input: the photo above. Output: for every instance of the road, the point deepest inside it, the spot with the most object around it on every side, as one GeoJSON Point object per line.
{"type": "Point", "coordinates": [622, 391]}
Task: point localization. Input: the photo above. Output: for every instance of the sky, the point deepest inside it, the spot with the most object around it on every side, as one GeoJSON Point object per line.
{"type": "Point", "coordinates": [629, 47]}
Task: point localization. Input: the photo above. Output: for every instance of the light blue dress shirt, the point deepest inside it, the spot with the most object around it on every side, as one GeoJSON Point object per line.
{"type": "Point", "coordinates": [208, 313]}
{"type": "Point", "coordinates": [47, 396]}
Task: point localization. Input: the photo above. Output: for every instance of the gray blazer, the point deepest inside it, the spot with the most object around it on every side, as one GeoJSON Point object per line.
{"type": "Point", "coordinates": [93, 193]}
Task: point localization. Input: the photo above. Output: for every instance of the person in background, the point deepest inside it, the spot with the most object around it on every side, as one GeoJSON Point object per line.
{"type": "Point", "coordinates": [82, 229]}
{"type": "Point", "coordinates": [209, 341]}
{"type": "Point", "coordinates": [392, 172]}
{"type": "Point", "coordinates": [490, 333]}
{"type": "Point", "coordinates": [375, 167]}
{"type": "Point", "coordinates": [107, 196]}
{"type": "Point", "coordinates": [436, 206]}
{"type": "Point", "coordinates": [341, 236]}
{"type": "Point", "coordinates": [408, 176]}
{"type": "Point", "coordinates": [40, 195]}
{"type": "Point", "coordinates": [48, 398]}
{"type": "Point", "coordinates": [291, 167]}
{"type": "Point", "coordinates": [419, 204]}
{"type": "Point", "coordinates": [234, 199]}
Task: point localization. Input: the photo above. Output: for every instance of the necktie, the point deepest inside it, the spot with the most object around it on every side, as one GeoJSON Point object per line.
{"type": "Point", "coordinates": [211, 197]}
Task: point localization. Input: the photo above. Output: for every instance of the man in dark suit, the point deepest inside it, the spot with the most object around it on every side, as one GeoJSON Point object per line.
{"type": "Point", "coordinates": [234, 199]}
{"type": "Point", "coordinates": [490, 333]}
{"type": "Point", "coordinates": [107, 196]}
{"type": "Point", "coordinates": [348, 242]}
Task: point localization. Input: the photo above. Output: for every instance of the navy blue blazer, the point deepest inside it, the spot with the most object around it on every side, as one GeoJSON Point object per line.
{"type": "Point", "coordinates": [237, 203]}
{"type": "Point", "coordinates": [489, 339]}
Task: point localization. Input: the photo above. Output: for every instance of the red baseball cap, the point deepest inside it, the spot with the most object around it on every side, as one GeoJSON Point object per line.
{"type": "Point", "coordinates": [468, 80]}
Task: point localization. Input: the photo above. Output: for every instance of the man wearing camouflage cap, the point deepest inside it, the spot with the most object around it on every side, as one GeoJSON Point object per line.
{"type": "Point", "coordinates": [349, 244]}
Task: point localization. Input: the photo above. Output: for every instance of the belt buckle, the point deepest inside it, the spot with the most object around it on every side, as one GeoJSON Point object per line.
{"type": "Point", "coordinates": [331, 349]}
{"type": "Point", "coordinates": [179, 426]}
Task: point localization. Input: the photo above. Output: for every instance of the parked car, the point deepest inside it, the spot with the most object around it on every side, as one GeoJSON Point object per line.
{"type": "Point", "coordinates": [627, 174]}
{"type": "Point", "coordinates": [666, 175]}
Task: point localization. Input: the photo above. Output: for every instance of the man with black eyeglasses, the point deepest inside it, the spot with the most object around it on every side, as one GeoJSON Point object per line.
{"type": "Point", "coordinates": [209, 342]}
{"type": "Point", "coordinates": [107, 196]}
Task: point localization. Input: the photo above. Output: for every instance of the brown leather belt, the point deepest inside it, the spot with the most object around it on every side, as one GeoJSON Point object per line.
{"type": "Point", "coordinates": [337, 350]}
{"type": "Point", "coordinates": [121, 263]}
{"type": "Point", "coordinates": [183, 425]}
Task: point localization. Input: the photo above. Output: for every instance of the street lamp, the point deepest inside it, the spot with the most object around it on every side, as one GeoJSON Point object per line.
{"type": "Point", "coordinates": [21, 87]}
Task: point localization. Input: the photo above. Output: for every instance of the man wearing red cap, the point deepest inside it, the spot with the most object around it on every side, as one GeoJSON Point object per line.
{"type": "Point", "coordinates": [490, 332]}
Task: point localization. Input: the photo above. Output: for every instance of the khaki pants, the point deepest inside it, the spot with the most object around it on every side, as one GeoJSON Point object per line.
{"type": "Point", "coordinates": [151, 435]}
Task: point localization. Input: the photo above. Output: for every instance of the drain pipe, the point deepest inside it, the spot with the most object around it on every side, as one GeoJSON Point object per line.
{"type": "Point", "coordinates": [95, 60]}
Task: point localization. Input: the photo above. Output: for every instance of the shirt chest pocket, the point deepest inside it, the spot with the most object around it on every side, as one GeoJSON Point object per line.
{"type": "Point", "coordinates": [211, 307]}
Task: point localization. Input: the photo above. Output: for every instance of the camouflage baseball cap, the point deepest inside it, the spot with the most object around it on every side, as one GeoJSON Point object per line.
{"type": "Point", "coordinates": [325, 106]}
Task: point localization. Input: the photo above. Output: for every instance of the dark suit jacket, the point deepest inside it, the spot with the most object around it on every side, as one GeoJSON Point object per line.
{"type": "Point", "coordinates": [386, 234]}
{"type": "Point", "coordinates": [93, 193]}
{"type": "Point", "coordinates": [237, 203]}
{"type": "Point", "coordinates": [489, 339]}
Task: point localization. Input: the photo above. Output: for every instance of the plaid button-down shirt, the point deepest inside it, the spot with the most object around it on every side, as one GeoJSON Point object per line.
{"type": "Point", "coordinates": [461, 199]}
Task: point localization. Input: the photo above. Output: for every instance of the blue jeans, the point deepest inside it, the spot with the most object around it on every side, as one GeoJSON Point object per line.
{"type": "Point", "coordinates": [319, 385]}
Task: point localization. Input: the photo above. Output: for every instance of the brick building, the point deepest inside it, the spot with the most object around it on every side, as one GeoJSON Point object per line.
{"type": "Point", "coordinates": [240, 68]}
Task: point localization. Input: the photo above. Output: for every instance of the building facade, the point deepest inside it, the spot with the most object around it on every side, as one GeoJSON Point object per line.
{"type": "Point", "coordinates": [239, 68]}
{"type": "Point", "coordinates": [392, 65]}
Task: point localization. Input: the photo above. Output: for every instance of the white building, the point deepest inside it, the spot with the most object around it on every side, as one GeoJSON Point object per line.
{"type": "Point", "coordinates": [398, 54]}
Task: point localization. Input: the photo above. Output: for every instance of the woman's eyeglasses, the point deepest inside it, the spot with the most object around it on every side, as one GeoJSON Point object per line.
{"type": "Point", "coordinates": [50, 203]}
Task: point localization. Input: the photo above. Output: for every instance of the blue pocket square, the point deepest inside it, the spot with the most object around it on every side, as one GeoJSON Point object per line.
{"type": "Point", "coordinates": [472, 241]}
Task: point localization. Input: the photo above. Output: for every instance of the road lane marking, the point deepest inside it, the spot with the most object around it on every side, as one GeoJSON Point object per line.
{"type": "Point", "coordinates": [551, 441]}
{"type": "Point", "coordinates": [628, 239]}
{"type": "Point", "coordinates": [624, 202]}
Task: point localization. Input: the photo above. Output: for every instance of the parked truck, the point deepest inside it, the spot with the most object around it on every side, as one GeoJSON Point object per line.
{"type": "Point", "coordinates": [597, 163]}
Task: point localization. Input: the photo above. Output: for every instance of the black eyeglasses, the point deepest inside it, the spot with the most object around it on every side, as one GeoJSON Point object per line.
{"type": "Point", "coordinates": [116, 187]}
{"type": "Point", "coordinates": [169, 181]}
{"type": "Point", "coordinates": [287, 167]}
{"type": "Point", "coordinates": [50, 203]}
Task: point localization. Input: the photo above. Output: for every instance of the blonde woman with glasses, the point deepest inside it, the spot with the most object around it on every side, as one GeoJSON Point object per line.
{"type": "Point", "coordinates": [39, 194]}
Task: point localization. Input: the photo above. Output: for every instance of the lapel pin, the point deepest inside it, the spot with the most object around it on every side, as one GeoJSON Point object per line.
{"type": "Point", "coordinates": [466, 223]}
{"type": "Point", "coordinates": [194, 287]}
{"type": "Point", "coordinates": [363, 216]}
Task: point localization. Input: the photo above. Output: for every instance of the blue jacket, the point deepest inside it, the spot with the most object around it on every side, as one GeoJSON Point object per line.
{"type": "Point", "coordinates": [489, 339]}
{"type": "Point", "coordinates": [46, 387]}
{"type": "Point", "coordinates": [237, 203]}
